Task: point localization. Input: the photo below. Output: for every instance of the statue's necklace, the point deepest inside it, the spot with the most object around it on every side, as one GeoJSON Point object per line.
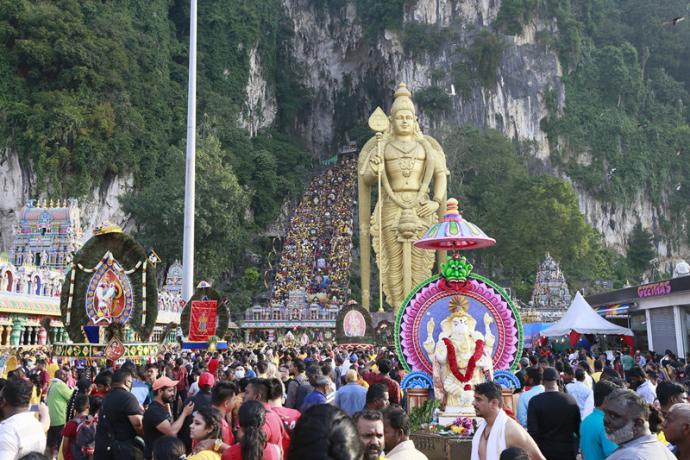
{"type": "Point", "coordinates": [405, 156]}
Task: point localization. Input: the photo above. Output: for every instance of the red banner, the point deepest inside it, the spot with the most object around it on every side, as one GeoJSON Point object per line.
{"type": "Point", "coordinates": [629, 341]}
{"type": "Point", "coordinates": [202, 323]}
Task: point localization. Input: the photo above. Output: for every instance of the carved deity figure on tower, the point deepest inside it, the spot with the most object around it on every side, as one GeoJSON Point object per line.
{"type": "Point", "coordinates": [412, 196]}
{"type": "Point", "coordinates": [461, 357]}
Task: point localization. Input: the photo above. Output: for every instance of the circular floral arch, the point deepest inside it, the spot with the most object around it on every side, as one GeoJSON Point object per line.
{"type": "Point", "coordinates": [430, 300]}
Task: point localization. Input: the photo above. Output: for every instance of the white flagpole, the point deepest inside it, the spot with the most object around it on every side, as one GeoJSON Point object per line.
{"type": "Point", "coordinates": [188, 244]}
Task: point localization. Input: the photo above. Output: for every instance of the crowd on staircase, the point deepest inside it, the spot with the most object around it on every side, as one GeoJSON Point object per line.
{"type": "Point", "coordinates": [316, 255]}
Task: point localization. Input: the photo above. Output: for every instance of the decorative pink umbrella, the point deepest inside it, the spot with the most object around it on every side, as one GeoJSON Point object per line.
{"type": "Point", "coordinates": [454, 233]}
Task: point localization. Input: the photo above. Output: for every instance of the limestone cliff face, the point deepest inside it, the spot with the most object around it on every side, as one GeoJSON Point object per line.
{"type": "Point", "coordinates": [346, 73]}
{"type": "Point", "coordinates": [260, 107]}
{"type": "Point", "coordinates": [17, 185]}
{"type": "Point", "coordinates": [339, 61]}
{"type": "Point", "coordinates": [103, 205]}
{"type": "Point", "coordinates": [335, 53]}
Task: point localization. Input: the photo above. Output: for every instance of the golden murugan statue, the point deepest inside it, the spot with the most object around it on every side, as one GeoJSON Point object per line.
{"type": "Point", "coordinates": [412, 164]}
{"type": "Point", "coordinates": [461, 356]}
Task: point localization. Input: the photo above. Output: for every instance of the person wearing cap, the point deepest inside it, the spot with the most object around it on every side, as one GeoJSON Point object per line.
{"type": "Point", "coordinates": [318, 395]}
{"type": "Point", "coordinates": [157, 418]}
{"type": "Point", "coordinates": [553, 420]}
{"type": "Point", "coordinates": [201, 399]}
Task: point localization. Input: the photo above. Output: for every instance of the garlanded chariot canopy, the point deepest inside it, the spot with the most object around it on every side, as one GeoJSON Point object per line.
{"type": "Point", "coordinates": [110, 291]}
{"type": "Point", "coordinates": [457, 328]}
{"type": "Point", "coordinates": [205, 319]}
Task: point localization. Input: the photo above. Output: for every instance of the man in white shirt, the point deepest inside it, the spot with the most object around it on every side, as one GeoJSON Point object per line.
{"type": "Point", "coordinates": [20, 431]}
{"type": "Point", "coordinates": [396, 433]}
{"type": "Point", "coordinates": [583, 395]}
{"type": "Point", "coordinates": [641, 385]}
{"type": "Point", "coordinates": [497, 432]}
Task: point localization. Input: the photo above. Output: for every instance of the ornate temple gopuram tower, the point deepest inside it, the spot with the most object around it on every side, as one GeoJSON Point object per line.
{"type": "Point", "coordinates": [31, 277]}
{"type": "Point", "coordinates": [47, 233]}
{"type": "Point", "coordinates": [551, 296]}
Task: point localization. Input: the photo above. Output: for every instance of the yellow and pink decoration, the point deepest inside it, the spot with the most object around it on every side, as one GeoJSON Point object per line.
{"type": "Point", "coordinates": [457, 295]}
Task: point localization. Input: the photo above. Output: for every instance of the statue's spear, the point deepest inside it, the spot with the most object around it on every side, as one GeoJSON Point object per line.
{"type": "Point", "coordinates": [378, 122]}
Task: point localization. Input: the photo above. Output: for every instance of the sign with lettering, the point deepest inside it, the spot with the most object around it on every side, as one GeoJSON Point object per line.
{"type": "Point", "coordinates": [654, 289]}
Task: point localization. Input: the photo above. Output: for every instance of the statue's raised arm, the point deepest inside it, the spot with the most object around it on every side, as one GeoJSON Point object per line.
{"type": "Point", "coordinates": [489, 338]}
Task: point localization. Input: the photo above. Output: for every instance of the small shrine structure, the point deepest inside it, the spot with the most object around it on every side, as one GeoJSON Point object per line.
{"type": "Point", "coordinates": [550, 296]}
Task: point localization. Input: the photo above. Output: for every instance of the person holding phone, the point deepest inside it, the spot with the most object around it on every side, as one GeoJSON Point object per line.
{"type": "Point", "coordinates": [158, 420]}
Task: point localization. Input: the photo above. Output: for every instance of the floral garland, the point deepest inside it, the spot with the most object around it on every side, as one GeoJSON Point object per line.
{"type": "Point", "coordinates": [471, 364]}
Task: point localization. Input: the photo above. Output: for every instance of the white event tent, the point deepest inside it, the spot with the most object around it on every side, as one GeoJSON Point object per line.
{"type": "Point", "coordinates": [582, 319]}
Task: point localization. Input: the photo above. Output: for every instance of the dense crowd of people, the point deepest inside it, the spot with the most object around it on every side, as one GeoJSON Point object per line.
{"type": "Point", "coordinates": [316, 253]}
{"type": "Point", "coordinates": [604, 405]}
{"type": "Point", "coordinates": [322, 401]}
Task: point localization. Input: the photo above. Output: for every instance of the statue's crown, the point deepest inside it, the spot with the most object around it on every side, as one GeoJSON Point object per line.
{"type": "Point", "coordinates": [403, 99]}
{"type": "Point", "coordinates": [402, 91]}
{"type": "Point", "coordinates": [458, 306]}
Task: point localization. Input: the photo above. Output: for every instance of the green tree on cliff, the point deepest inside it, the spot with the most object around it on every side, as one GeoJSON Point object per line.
{"type": "Point", "coordinates": [640, 250]}
{"type": "Point", "coordinates": [221, 206]}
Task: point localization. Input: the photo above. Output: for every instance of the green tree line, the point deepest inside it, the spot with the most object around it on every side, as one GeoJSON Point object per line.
{"type": "Point", "coordinates": [94, 90]}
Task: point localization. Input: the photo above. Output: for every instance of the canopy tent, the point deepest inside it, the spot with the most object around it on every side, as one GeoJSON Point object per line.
{"type": "Point", "coordinates": [582, 319]}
